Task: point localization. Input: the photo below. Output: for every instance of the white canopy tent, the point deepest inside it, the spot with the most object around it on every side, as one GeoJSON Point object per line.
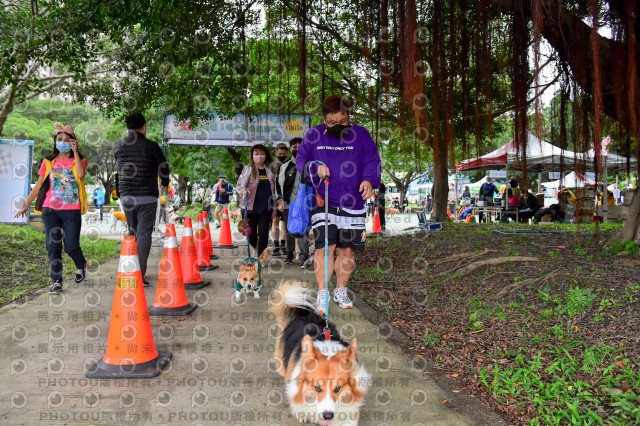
{"type": "Point", "coordinates": [540, 156]}
{"type": "Point", "coordinates": [543, 157]}
{"type": "Point", "coordinates": [572, 180]}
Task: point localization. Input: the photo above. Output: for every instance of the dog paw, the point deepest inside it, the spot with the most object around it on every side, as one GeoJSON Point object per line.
{"type": "Point", "coordinates": [256, 295]}
{"type": "Point", "coordinates": [238, 296]}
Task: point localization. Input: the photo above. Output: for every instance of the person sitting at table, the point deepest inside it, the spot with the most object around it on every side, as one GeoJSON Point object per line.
{"type": "Point", "coordinates": [528, 206]}
{"type": "Point", "coordinates": [554, 211]}
{"type": "Point", "coordinates": [512, 185]}
{"type": "Point", "coordinates": [514, 202]}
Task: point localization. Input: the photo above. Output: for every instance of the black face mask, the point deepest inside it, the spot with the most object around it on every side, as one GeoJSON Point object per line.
{"type": "Point", "coordinates": [281, 158]}
{"type": "Point", "coordinates": [336, 131]}
{"type": "Point", "coordinates": [294, 153]}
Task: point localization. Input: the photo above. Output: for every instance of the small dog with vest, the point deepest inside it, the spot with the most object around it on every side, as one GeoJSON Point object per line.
{"type": "Point", "coordinates": [249, 279]}
{"type": "Point", "coordinates": [325, 384]}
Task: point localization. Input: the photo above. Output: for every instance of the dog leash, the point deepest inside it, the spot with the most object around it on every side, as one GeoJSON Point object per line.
{"type": "Point", "coordinates": [247, 229]}
{"type": "Point", "coordinates": [326, 331]}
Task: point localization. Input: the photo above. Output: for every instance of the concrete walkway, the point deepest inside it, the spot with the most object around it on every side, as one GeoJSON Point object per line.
{"type": "Point", "coordinates": [221, 372]}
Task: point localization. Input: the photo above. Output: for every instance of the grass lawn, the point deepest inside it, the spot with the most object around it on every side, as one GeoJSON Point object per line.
{"type": "Point", "coordinates": [193, 210]}
{"type": "Point", "coordinates": [551, 340]}
{"type": "Point", "coordinates": [25, 266]}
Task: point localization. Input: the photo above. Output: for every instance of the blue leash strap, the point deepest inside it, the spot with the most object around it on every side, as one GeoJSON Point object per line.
{"type": "Point", "coordinates": [247, 229]}
{"type": "Point", "coordinates": [326, 331]}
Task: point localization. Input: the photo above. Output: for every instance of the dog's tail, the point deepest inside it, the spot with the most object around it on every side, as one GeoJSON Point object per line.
{"type": "Point", "coordinates": [264, 256]}
{"type": "Point", "coordinates": [289, 296]}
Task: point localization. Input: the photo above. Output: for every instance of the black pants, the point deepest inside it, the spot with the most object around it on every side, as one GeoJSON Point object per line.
{"type": "Point", "coordinates": [59, 226]}
{"type": "Point", "coordinates": [489, 202]}
{"type": "Point", "coordinates": [141, 219]}
{"type": "Point", "coordinates": [383, 222]}
{"type": "Point", "coordinates": [259, 225]}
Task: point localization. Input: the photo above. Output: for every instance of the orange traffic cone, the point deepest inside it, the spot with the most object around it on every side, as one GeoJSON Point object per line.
{"type": "Point", "coordinates": [205, 220]}
{"type": "Point", "coordinates": [376, 231]}
{"type": "Point", "coordinates": [448, 213]}
{"type": "Point", "coordinates": [225, 234]}
{"type": "Point", "coordinates": [171, 298]}
{"type": "Point", "coordinates": [131, 352]}
{"type": "Point", "coordinates": [202, 252]}
{"type": "Point", "coordinates": [189, 260]}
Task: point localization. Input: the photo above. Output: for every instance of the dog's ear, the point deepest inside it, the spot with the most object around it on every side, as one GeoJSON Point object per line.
{"type": "Point", "coordinates": [351, 350]}
{"type": "Point", "coordinates": [307, 347]}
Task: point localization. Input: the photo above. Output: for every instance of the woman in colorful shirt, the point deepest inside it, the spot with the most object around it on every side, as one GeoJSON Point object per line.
{"type": "Point", "coordinates": [61, 198]}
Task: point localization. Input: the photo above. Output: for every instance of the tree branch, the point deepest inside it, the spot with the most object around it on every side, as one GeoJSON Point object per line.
{"type": "Point", "coordinates": [69, 75]}
{"type": "Point", "coordinates": [44, 89]}
{"type": "Point", "coordinates": [335, 34]}
{"type": "Point", "coordinates": [570, 38]}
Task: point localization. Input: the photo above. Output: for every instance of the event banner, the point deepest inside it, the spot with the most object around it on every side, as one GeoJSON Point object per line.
{"type": "Point", "coordinates": [239, 130]}
{"type": "Point", "coordinates": [15, 178]}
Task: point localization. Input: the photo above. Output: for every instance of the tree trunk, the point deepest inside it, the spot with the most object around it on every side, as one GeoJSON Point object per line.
{"type": "Point", "coordinates": [7, 108]}
{"type": "Point", "coordinates": [440, 181]}
{"type": "Point", "coordinates": [189, 186]}
{"type": "Point", "coordinates": [107, 191]}
{"type": "Point", "coordinates": [182, 187]}
{"type": "Point", "coordinates": [631, 230]}
{"type": "Point", "coordinates": [237, 157]}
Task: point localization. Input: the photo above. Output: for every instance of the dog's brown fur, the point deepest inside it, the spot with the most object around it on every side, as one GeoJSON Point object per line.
{"type": "Point", "coordinates": [248, 273]}
{"type": "Point", "coordinates": [235, 215]}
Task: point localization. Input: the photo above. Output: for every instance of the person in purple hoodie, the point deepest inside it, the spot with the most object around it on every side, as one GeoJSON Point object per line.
{"type": "Point", "coordinates": [352, 164]}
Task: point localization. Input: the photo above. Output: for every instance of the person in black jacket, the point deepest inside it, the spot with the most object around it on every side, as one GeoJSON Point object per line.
{"type": "Point", "coordinates": [287, 183]}
{"type": "Point", "coordinates": [140, 163]}
{"type": "Point", "coordinates": [487, 191]}
{"type": "Point", "coordinates": [529, 206]}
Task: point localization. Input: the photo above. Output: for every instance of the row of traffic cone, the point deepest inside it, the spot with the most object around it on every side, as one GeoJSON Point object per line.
{"type": "Point", "coordinates": [131, 350]}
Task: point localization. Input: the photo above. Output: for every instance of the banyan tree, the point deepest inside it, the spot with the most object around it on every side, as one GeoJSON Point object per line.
{"type": "Point", "coordinates": [443, 70]}
{"type": "Point", "coordinates": [438, 73]}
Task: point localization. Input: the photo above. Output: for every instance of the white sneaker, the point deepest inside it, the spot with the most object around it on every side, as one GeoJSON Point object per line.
{"type": "Point", "coordinates": [321, 302]}
{"type": "Point", "coordinates": [341, 297]}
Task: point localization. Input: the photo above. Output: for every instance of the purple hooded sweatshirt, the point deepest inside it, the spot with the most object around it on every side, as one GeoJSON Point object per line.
{"type": "Point", "coordinates": [351, 160]}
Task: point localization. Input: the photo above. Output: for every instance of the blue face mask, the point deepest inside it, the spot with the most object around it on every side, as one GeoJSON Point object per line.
{"type": "Point", "coordinates": [63, 146]}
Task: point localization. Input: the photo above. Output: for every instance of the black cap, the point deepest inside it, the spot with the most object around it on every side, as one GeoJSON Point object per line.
{"type": "Point", "coordinates": [222, 176]}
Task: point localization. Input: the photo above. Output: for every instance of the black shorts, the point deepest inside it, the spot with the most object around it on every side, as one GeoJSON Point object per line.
{"type": "Point", "coordinates": [278, 214]}
{"type": "Point", "coordinates": [346, 227]}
